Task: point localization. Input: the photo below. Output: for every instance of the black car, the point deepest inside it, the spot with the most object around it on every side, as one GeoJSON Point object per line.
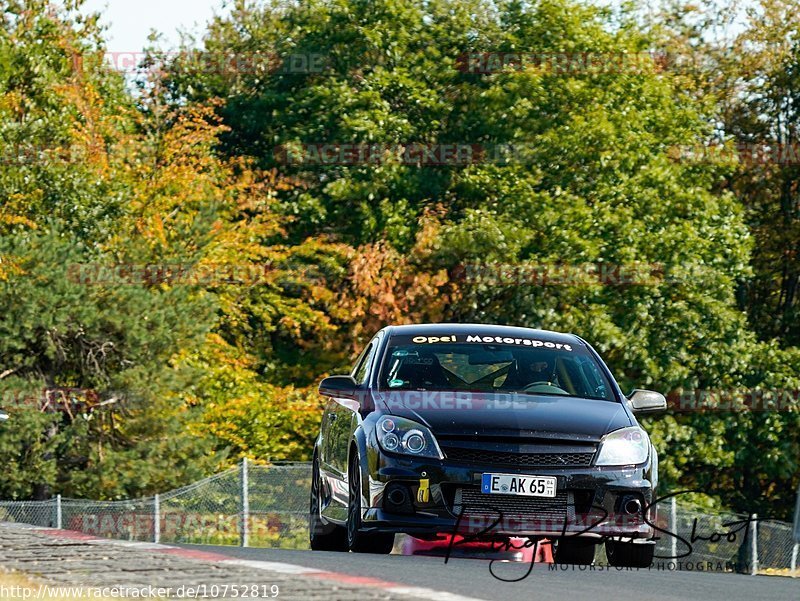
{"type": "Point", "coordinates": [489, 432]}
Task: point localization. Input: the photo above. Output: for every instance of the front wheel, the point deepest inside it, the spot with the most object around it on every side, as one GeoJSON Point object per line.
{"type": "Point", "coordinates": [629, 555]}
{"type": "Point", "coordinates": [321, 536]}
{"type": "Point", "coordinates": [358, 541]}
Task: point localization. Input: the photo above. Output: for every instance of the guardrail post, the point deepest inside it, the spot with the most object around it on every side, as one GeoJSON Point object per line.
{"type": "Point", "coordinates": [673, 525]}
{"type": "Point", "coordinates": [156, 519]}
{"type": "Point", "coordinates": [753, 545]}
{"type": "Point", "coordinates": [58, 512]}
{"type": "Point", "coordinates": [244, 526]}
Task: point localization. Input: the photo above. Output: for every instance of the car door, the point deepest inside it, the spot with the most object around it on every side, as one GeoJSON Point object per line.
{"type": "Point", "coordinates": [328, 429]}
{"type": "Point", "coordinates": [340, 419]}
{"type": "Point", "coordinates": [325, 436]}
{"type": "Point", "coordinates": [346, 411]}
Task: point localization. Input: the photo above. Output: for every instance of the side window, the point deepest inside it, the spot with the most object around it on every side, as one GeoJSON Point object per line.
{"type": "Point", "coordinates": [361, 372]}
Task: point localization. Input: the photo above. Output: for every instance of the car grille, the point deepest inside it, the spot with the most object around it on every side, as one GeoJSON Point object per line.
{"type": "Point", "coordinates": [518, 459]}
{"type": "Point", "coordinates": [475, 503]}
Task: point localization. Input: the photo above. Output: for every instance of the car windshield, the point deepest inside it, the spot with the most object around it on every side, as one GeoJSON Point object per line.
{"type": "Point", "coordinates": [524, 366]}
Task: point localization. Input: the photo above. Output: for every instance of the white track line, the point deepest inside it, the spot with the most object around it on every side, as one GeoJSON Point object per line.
{"type": "Point", "coordinates": [428, 593]}
{"type": "Point", "coordinates": [273, 566]}
{"type": "Point", "coordinates": [391, 587]}
{"type": "Point", "coordinates": [281, 568]}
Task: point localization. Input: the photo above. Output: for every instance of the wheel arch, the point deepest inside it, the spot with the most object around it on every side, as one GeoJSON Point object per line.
{"type": "Point", "coordinates": [358, 448]}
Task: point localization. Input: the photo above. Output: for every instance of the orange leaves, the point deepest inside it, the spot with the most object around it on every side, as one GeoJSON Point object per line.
{"type": "Point", "coordinates": [90, 126]}
{"type": "Point", "coordinates": [389, 287]}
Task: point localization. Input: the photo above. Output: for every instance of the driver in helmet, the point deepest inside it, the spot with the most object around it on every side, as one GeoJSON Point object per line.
{"type": "Point", "coordinates": [539, 369]}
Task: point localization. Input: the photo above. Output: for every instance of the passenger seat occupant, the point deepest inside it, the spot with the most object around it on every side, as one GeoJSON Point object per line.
{"type": "Point", "coordinates": [422, 371]}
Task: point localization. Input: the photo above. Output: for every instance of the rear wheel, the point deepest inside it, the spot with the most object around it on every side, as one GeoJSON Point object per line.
{"type": "Point", "coordinates": [574, 551]}
{"type": "Point", "coordinates": [629, 555]}
{"type": "Point", "coordinates": [321, 536]}
{"type": "Point", "coordinates": [358, 541]}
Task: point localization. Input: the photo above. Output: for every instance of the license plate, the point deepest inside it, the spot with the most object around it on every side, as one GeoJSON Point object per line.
{"type": "Point", "coordinates": [516, 484]}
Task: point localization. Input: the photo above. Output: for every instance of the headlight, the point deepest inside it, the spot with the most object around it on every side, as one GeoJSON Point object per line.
{"type": "Point", "coordinates": [624, 447]}
{"type": "Point", "coordinates": [401, 435]}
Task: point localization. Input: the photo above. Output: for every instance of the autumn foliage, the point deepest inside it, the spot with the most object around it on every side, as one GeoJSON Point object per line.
{"type": "Point", "coordinates": [160, 260]}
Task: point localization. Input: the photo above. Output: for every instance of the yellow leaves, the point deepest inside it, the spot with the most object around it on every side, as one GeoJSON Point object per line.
{"type": "Point", "coordinates": [274, 423]}
{"type": "Point", "coordinates": [221, 355]}
{"type": "Point", "coordinates": [178, 168]}
{"type": "Point", "coordinates": [9, 268]}
{"type": "Point", "coordinates": [180, 183]}
{"type": "Point", "coordinates": [11, 211]}
{"type": "Point", "coordinates": [13, 102]}
{"type": "Point", "coordinates": [7, 219]}
{"type": "Point", "coordinates": [152, 228]}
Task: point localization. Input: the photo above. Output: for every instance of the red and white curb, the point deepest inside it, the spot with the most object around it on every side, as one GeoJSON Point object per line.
{"type": "Point", "coordinates": [271, 566]}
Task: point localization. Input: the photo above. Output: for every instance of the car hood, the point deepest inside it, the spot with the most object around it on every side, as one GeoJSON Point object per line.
{"type": "Point", "coordinates": [507, 415]}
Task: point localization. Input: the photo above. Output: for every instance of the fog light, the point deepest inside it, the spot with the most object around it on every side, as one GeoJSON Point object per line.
{"type": "Point", "coordinates": [630, 505]}
{"type": "Point", "coordinates": [397, 498]}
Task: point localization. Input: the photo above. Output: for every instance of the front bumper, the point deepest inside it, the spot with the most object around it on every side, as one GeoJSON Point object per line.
{"type": "Point", "coordinates": [588, 504]}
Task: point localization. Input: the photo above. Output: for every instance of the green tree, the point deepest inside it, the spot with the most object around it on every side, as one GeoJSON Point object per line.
{"type": "Point", "coordinates": [739, 61]}
{"type": "Point", "coordinates": [65, 124]}
{"type": "Point", "coordinates": [597, 175]}
{"type": "Point", "coordinates": [98, 184]}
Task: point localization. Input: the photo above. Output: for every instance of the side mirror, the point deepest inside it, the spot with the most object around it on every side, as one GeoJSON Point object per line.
{"type": "Point", "coordinates": [647, 400]}
{"type": "Point", "coordinates": [338, 386]}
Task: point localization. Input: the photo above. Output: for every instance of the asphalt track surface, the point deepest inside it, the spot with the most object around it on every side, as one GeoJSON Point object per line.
{"type": "Point", "coordinates": [472, 578]}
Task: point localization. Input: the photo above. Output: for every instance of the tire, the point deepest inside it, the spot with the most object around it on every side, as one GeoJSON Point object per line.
{"type": "Point", "coordinates": [358, 541]}
{"type": "Point", "coordinates": [575, 551]}
{"type": "Point", "coordinates": [321, 536]}
{"type": "Point", "coordinates": [629, 555]}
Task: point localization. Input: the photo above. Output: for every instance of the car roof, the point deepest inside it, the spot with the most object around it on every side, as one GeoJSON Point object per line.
{"type": "Point", "coordinates": [480, 329]}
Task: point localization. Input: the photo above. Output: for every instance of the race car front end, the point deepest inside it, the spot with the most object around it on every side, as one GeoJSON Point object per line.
{"type": "Point", "coordinates": [421, 483]}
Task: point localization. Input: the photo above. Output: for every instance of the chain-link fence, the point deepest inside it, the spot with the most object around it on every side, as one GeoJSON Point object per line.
{"type": "Point", "coordinates": [250, 505]}
{"type": "Point", "coordinates": [267, 506]}
{"type": "Point", "coordinates": [722, 541]}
